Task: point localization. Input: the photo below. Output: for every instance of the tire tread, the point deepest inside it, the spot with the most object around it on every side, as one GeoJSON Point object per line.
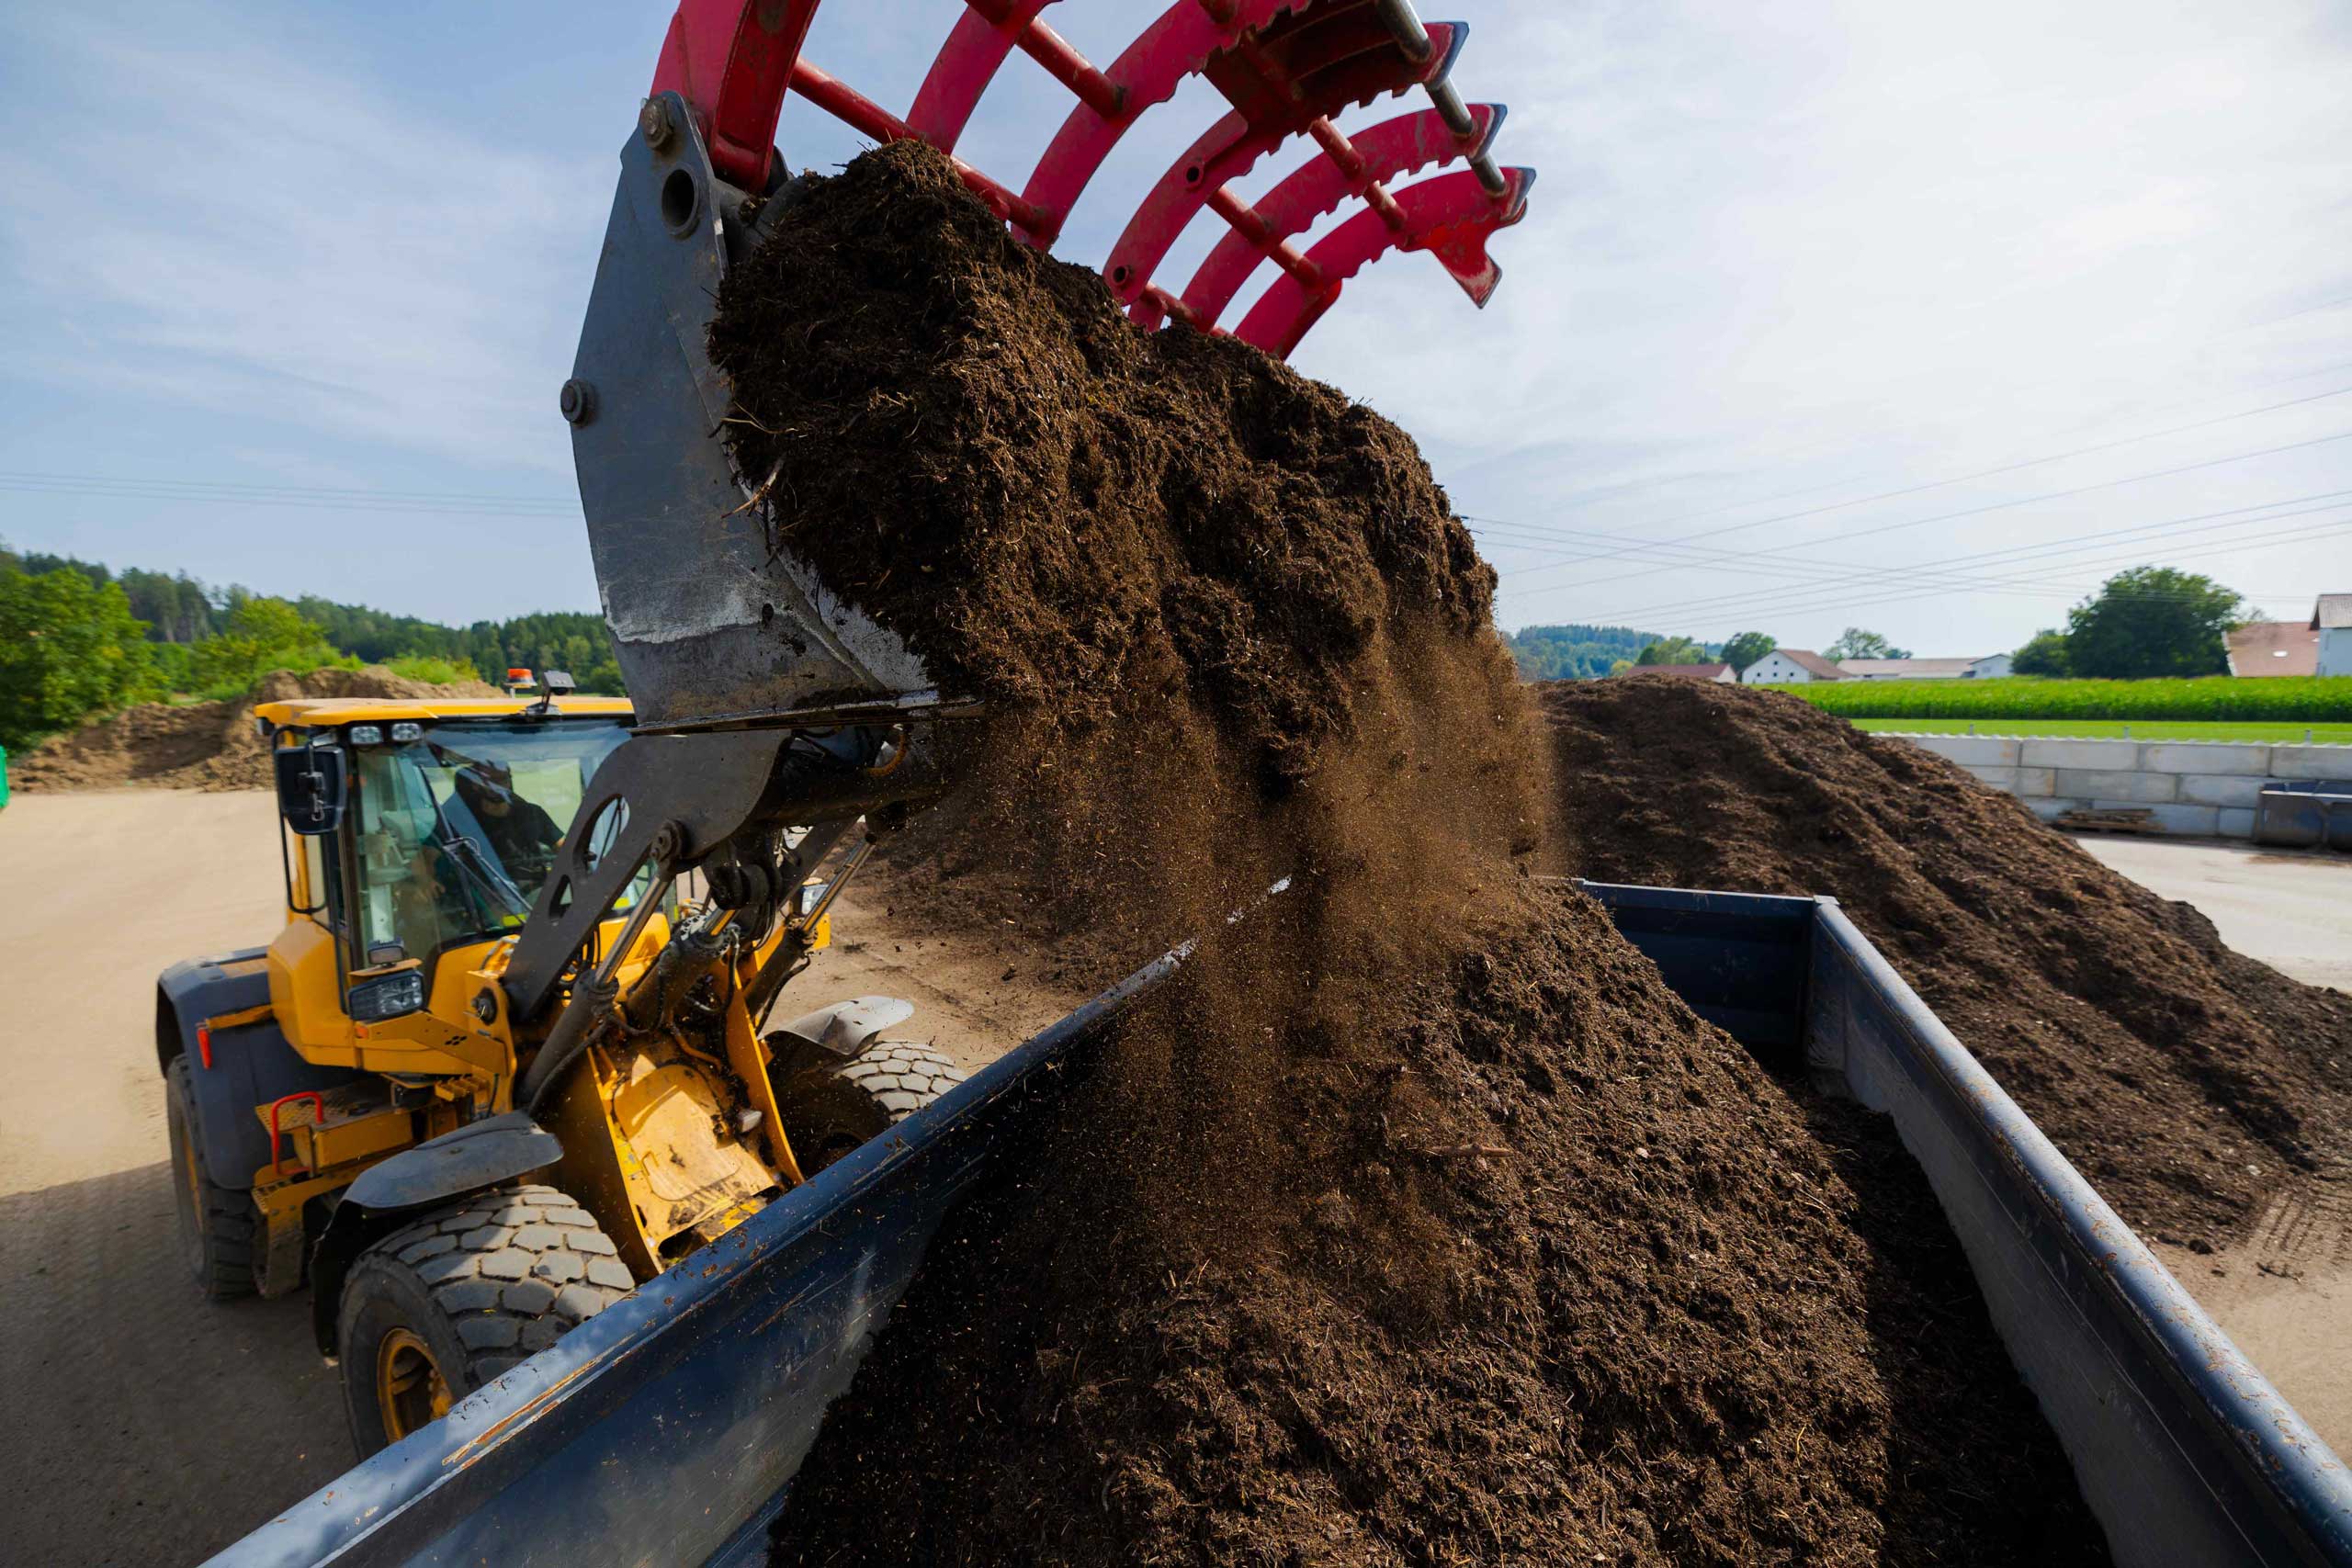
{"type": "Point", "coordinates": [228, 1220]}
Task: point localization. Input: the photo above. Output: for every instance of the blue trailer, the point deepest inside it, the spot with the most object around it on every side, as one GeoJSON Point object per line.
{"type": "Point", "coordinates": [668, 1428]}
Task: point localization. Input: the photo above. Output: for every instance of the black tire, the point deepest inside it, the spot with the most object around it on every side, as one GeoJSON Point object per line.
{"type": "Point", "coordinates": [461, 1295]}
{"type": "Point", "coordinates": [217, 1224]}
{"type": "Point", "coordinates": [828, 1112]}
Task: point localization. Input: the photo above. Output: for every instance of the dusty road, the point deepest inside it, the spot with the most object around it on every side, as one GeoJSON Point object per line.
{"type": "Point", "coordinates": [154, 1427]}
{"type": "Point", "coordinates": [2291, 908]}
{"type": "Point", "coordinates": [2284, 1292]}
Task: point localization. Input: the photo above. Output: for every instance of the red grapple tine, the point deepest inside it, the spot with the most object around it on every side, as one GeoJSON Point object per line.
{"type": "Point", "coordinates": [731, 61]}
{"type": "Point", "coordinates": [1157, 305]}
{"type": "Point", "coordinates": [847, 103]}
{"type": "Point", "coordinates": [1177, 45]}
{"type": "Point", "coordinates": [1451, 214]}
{"type": "Point", "coordinates": [1350, 58]}
{"type": "Point", "coordinates": [1388, 150]}
{"type": "Point", "coordinates": [1245, 221]}
{"type": "Point", "coordinates": [1284, 65]}
{"type": "Point", "coordinates": [975, 51]}
{"type": "Point", "coordinates": [1343, 152]}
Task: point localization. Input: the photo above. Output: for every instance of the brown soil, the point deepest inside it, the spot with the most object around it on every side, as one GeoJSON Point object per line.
{"type": "Point", "coordinates": [210, 745]}
{"type": "Point", "coordinates": [967, 438]}
{"type": "Point", "coordinates": [1416, 1222]}
{"type": "Point", "coordinates": [1545, 1270]}
{"type": "Point", "coordinates": [2186, 1081]}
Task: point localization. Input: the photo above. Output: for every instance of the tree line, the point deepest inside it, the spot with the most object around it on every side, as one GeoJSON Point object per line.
{"type": "Point", "coordinates": [1583, 652]}
{"type": "Point", "coordinates": [79, 639]}
{"type": "Point", "coordinates": [2143, 624]}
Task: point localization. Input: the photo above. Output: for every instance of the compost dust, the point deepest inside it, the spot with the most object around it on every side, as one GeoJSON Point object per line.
{"type": "Point", "coordinates": [1415, 1220]}
{"type": "Point", "coordinates": [2186, 1081]}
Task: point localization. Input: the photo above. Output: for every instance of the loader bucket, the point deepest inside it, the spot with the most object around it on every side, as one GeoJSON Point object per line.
{"type": "Point", "coordinates": [719, 623]}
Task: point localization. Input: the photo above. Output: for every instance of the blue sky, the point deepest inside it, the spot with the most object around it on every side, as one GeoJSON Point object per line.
{"type": "Point", "coordinates": [1835, 312]}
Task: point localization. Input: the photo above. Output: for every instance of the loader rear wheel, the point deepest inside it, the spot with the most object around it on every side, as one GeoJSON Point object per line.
{"type": "Point", "coordinates": [828, 1111]}
{"type": "Point", "coordinates": [444, 1304]}
{"type": "Point", "coordinates": [216, 1223]}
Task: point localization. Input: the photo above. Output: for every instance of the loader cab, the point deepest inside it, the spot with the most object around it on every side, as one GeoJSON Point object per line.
{"type": "Point", "coordinates": [418, 836]}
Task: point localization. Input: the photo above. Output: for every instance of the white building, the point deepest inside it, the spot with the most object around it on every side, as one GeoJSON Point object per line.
{"type": "Point", "coordinates": [2332, 618]}
{"type": "Point", "coordinates": [1788, 666]}
{"type": "Point", "coordinates": [1987, 668]}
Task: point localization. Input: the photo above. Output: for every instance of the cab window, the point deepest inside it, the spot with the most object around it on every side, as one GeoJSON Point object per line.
{"type": "Point", "coordinates": [459, 829]}
{"type": "Point", "coordinates": [322, 878]}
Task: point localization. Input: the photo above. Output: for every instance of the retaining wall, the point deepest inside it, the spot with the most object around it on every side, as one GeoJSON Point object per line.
{"type": "Point", "coordinates": [2189, 786]}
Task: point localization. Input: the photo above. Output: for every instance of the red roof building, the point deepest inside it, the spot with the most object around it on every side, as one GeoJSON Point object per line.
{"type": "Point", "coordinates": [2275, 647]}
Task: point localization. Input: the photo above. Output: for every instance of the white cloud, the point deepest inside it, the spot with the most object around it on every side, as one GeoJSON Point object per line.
{"type": "Point", "coordinates": [246, 231]}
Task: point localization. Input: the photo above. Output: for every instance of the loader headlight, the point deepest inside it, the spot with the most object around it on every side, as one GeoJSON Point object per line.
{"type": "Point", "coordinates": [404, 734]}
{"type": "Point", "coordinates": [366, 733]}
{"type": "Point", "coordinates": [388, 996]}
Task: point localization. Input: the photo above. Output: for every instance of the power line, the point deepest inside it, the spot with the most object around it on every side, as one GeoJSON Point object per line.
{"type": "Point", "coordinates": [1962, 478]}
{"type": "Point", "coordinates": [1804, 601]}
{"type": "Point", "coordinates": [2198, 522]}
{"type": "Point", "coordinates": [1742, 556]}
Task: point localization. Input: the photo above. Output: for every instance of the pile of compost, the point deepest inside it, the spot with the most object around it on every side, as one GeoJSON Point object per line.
{"type": "Point", "coordinates": [202, 745]}
{"type": "Point", "coordinates": [1416, 1220]}
{"type": "Point", "coordinates": [1528, 1265]}
{"type": "Point", "coordinates": [2186, 1081]}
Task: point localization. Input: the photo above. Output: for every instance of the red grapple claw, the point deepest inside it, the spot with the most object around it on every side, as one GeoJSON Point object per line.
{"type": "Point", "coordinates": [1285, 67]}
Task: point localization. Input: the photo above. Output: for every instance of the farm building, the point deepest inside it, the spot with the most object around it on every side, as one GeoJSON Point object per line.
{"type": "Point", "coordinates": [2332, 620]}
{"type": "Point", "coordinates": [2275, 647]}
{"type": "Point", "coordinates": [1982, 669]}
{"type": "Point", "coordinates": [1785, 666]}
{"type": "Point", "coordinates": [1722, 673]}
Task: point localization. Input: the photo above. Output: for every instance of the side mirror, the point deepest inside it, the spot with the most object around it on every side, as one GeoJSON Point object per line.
{"type": "Point", "coordinates": [311, 784]}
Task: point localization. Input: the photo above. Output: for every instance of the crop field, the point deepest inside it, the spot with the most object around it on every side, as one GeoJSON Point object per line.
{"type": "Point", "coordinates": [2118, 729]}
{"type": "Point", "coordinates": [2285, 700]}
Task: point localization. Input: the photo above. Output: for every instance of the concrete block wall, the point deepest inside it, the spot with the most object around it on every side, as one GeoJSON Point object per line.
{"type": "Point", "coordinates": [2206, 787]}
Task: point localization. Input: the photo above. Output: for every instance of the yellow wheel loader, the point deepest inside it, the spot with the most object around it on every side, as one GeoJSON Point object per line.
{"type": "Point", "coordinates": [355, 1103]}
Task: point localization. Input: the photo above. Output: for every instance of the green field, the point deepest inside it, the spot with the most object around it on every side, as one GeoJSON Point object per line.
{"type": "Point", "coordinates": [2285, 704]}
{"type": "Point", "coordinates": [2114, 728]}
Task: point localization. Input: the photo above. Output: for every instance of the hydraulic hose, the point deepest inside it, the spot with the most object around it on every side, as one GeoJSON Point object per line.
{"type": "Point", "coordinates": [592, 1002]}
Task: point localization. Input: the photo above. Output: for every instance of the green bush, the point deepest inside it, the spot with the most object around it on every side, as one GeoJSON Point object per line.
{"type": "Point", "coordinates": [69, 647]}
{"type": "Point", "coordinates": [175, 666]}
{"type": "Point", "coordinates": [2277, 698]}
{"type": "Point", "coordinates": [263, 635]}
{"type": "Point", "coordinates": [430, 668]}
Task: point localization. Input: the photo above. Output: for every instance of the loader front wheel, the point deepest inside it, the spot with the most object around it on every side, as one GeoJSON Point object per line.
{"type": "Point", "coordinates": [828, 1111]}
{"type": "Point", "coordinates": [449, 1301]}
{"type": "Point", "coordinates": [216, 1223]}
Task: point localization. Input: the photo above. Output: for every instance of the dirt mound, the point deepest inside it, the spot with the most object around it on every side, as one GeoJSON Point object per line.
{"type": "Point", "coordinates": [207, 745]}
{"type": "Point", "coordinates": [2186, 1081]}
{"type": "Point", "coordinates": [1416, 1221]}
